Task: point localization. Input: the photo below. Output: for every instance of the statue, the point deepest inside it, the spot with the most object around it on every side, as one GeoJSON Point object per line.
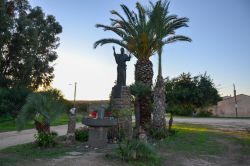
{"type": "Point", "coordinates": [121, 71]}
{"type": "Point", "coordinates": [121, 66]}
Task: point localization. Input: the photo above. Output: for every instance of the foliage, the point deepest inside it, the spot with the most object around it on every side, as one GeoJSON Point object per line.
{"type": "Point", "coordinates": [139, 89]}
{"type": "Point", "coordinates": [158, 134]}
{"type": "Point", "coordinates": [185, 94]}
{"type": "Point", "coordinates": [82, 134]}
{"type": "Point", "coordinates": [12, 100]}
{"type": "Point", "coordinates": [43, 106]}
{"type": "Point", "coordinates": [204, 113]}
{"type": "Point", "coordinates": [167, 24]}
{"type": "Point", "coordinates": [182, 110]}
{"type": "Point", "coordinates": [28, 40]}
{"type": "Point", "coordinates": [122, 113]}
{"type": "Point", "coordinates": [46, 140]}
{"type": "Point", "coordinates": [136, 32]}
{"type": "Point", "coordinates": [136, 150]}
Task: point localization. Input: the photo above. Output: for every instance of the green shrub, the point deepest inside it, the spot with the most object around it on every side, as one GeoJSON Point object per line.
{"type": "Point", "coordinates": [138, 151]}
{"type": "Point", "coordinates": [182, 110]}
{"type": "Point", "coordinates": [12, 100]}
{"type": "Point", "coordinates": [158, 133]}
{"type": "Point", "coordinates": [46, 140]}
{"type": "Point", "coordinates": [204, 113]}
{"type": "Point", "coordinates": [82, 134]}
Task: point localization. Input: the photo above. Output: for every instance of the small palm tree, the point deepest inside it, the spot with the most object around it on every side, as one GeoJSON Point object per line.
{"type": "Point", "coordinates": [42, 108]}
{"type": "Point", "coordinates": [165, 31]}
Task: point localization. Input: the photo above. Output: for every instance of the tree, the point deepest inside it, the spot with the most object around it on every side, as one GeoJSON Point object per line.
{"type": "Point", "coordinates": [28, 40]}
{"type": "Point", "coordinates": [43, 108]}
{"type": "Point", "coordinates": [12, 100]}
{"type": "Point", "coordinates": [165, 34]}
{"type": "Point", "coordinates": [185, 94]}
{"type": "Point", "coordinates": [136, 34]}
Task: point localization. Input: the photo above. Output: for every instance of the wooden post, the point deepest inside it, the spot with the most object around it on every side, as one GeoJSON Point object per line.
{"type": "Point", "coordinates": [235, 100]}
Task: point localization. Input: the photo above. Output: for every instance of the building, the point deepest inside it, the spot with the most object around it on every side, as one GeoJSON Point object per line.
{"type": "Point", "coordinates": [226, 107]}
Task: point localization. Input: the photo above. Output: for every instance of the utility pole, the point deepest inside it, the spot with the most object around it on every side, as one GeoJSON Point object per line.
{"type": "Point", "coordinates": [75, 96]}
{"type": "Point", "coordinates": [235, 100]}
{"type": "Point", "coordinates": [72, 122]}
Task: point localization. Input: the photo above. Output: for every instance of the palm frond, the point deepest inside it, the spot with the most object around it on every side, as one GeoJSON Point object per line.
{"type": "Point", "coordinates": [108, 41]}
{"type": "Point", "coordinates": [175, 38]}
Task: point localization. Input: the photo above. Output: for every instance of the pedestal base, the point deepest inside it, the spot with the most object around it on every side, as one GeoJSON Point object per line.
{"type": "Point", "coordinates": [121, 103]}
{"type": "Point", "coordinates": [97, 137]}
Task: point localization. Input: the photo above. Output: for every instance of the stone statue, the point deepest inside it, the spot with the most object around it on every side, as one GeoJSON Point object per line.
{"type": "Point", "coordinates": [121, 67]}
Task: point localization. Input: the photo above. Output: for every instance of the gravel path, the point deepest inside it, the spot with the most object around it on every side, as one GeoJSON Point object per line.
{"type": "Point", "coordinates": [14, 138]}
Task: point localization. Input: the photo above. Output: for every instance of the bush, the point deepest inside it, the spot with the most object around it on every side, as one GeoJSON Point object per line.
{"type": "Point", "coordinates": [136, 150]}
{"type": "Point", "coordinates": [158, 134]}
{"type": "Point", "coordinates": [12, 100]}
{"type": "Point", "coordinates": [46, 140]}
{"type": "Point", "coordinates": [182, 110]}
{"type": "Point", "coordinates": [204, 113]}
{"type": "Point", "coordinates": [82, 134]}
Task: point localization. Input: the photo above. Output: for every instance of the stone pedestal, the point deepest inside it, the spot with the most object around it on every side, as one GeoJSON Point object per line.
{"type": "Point", "coordinates": [98, 131]}
{"type": "Point", "coordinates": [121, 103]}
{"type": "Point", "coordinates": [97, 137]}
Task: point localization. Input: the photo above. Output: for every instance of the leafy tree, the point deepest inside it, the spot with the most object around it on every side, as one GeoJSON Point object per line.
{"type": "Point", "coordinates": [185, 94]}
{"type": "Point", "coordinates": [28, 40]}
{"type": "Point", "coordinates": [165, 34]}
{"type": "Point", "coordinates": [12, 100]}
{"type": "Point", "coordinates": [42, 108]}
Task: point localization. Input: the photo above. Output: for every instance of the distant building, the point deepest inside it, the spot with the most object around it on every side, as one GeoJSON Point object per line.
{"type": "Point", "coordinates": [226, 107]}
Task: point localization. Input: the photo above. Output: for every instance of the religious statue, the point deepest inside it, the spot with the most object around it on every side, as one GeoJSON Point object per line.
{"type": "Point", "coordinates": [121, 67]}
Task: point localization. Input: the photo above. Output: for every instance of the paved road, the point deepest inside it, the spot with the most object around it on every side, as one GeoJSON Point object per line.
{"type": "Point", "coordinates": [13, 138]}
{"type": "Point", "coordinates": [220, 123]}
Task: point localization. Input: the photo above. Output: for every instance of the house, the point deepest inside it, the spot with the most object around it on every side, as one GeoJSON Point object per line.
{"type": "Point", "coordinates": [227, 107]}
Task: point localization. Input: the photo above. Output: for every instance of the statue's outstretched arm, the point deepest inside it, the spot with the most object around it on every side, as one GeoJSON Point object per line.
{"type": "Point", "coordinates": [128, 57]}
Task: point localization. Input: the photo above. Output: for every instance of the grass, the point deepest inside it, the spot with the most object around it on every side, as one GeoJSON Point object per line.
{"type": "Point", "coordinates": [10, 125]}
{"type": "Point", "coordinates": [201, 143]}
{"type": "Point", "coordinates": [29, 152]}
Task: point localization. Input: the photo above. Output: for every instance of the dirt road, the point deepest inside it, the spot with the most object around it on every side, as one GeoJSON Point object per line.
{"type": "Point", "coordinates": [228, 124]}
{"type": "Point", "coordinates": [14, 138]}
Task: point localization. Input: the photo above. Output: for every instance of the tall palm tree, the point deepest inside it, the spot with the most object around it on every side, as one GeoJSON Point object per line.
{"type": "Point", "coordinates": [165, 31]}
{"type": "Point", "coordinates": [136, 34]}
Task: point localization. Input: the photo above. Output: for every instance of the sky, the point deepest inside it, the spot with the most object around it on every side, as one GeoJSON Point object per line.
{"type": "Point", "coordinates": [220, 30]}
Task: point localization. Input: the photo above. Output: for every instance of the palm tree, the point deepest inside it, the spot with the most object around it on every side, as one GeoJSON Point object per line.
{"type": "Point", "coordinates": [137, 35]}
{"type": "Point", "coordinates": [42, 108]}
{"type": "Point", "coordinates": [165, 32]}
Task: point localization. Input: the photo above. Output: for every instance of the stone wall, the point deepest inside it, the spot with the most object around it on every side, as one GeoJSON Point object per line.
{"type": "Point", "coordinates": [226, 107]}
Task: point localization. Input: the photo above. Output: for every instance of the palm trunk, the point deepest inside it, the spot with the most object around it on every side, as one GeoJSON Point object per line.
{"type": "Point", "coordinates": [159, 120]}
{"type": "Point", "coordinates": [144, 74]}
{"type": "Point", "coordinates": [42, 127]}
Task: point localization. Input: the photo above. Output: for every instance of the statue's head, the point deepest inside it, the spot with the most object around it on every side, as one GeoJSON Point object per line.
{"type": "Point", "coordinates": [122, 50]}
